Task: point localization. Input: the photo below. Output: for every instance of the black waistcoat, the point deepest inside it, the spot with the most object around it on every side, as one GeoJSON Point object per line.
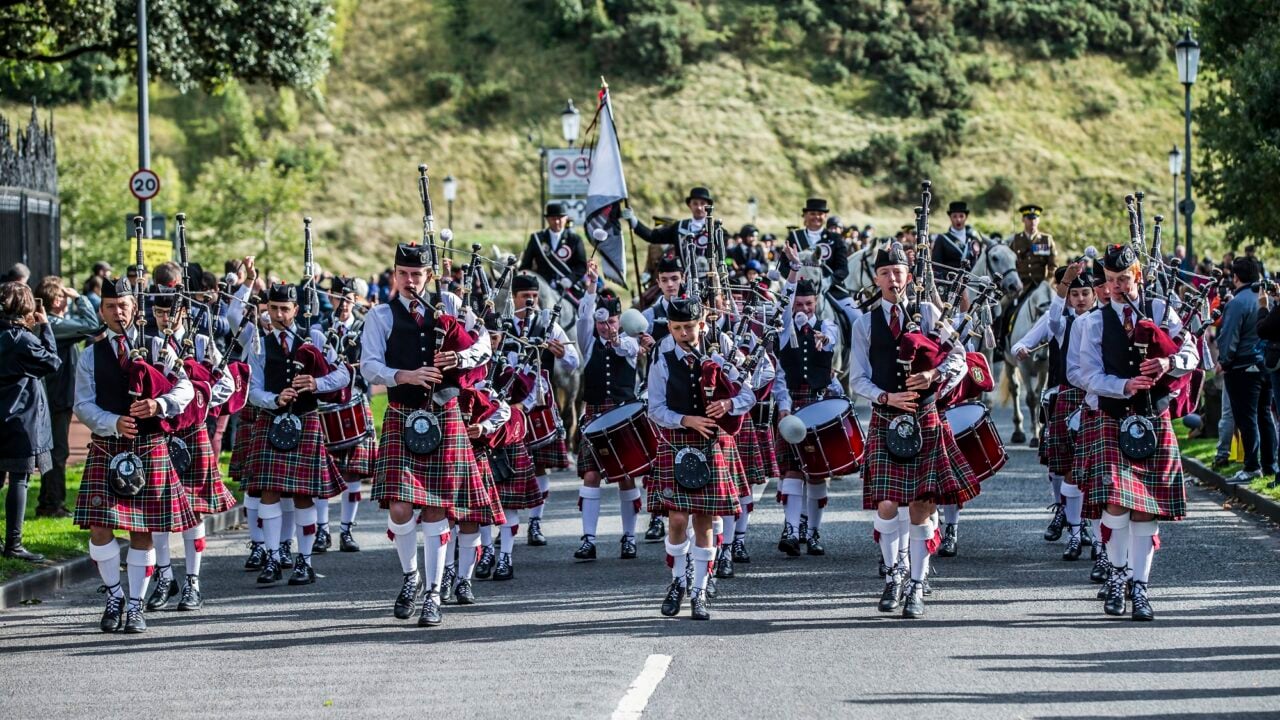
{"type": "Point", "coordinates": [409, 347]}
{"type": "Point", "coordinates": [804, 363]}
{"type": "Point", "coordinates": [886, 372]}
{"type": "Point", "coordinates": [684, 386]}
{"type": "Point", "coordinates": [660, 329]}
{"type": "Point", "coordinates": [277, 376]}
{"type": "Point", "coordinates": [608, 377]}
{"type": "Point", "coordinates": [1122, 359]}
{"type": "Point", "coordinates": [1058, 355]}
{"type": "Point", "coordinates": [112, 385]}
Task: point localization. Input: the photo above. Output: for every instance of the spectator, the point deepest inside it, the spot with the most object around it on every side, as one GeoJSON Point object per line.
{"type": "Point", "coordinates": [17, 273]}
{"type": "Point", "coordinates": [1240, 362]}
{"type": "Point", "coordinates": [102, 270]}
{"type": "Point", "coordinates": [72, 319]}
{"type": "Point", "coordinates": [1269, 333]}
{"type": "Point", "coordinates": [92, 291]}
{"type": "Point", "coordinates": [26, 356]}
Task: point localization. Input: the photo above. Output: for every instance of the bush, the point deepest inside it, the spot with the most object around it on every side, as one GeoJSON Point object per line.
{"type": "Point", "coordinates": [443, 86]}
{"type": "Point", "coordinates": [883, 151]}
{"type": "Point", "coordinates": [487, 100]}
{"type": "Point", "coordinates": [1000, 195]}
{"type": "Point", "coordinates": [829, 71]}
{"type": "Point", "coordinates": [89, 78]}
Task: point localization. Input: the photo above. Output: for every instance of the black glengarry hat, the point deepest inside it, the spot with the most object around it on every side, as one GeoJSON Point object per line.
{"type": "Point", "coordinates": [805, 288]}
{"type": "Point", "coordinates": [282, 292]}
{"type": "Point", "coordinates": [524, 282]}
{"type": "Point", "coordinates": [684, 310]}
{"type": "Point", "coordinates": [413, 255]}
{"type": "Point", "coordinates": [609, 302]}
{"type": "Point", "coordinates": [118, 288]}
{"type": "Point", "coordinates": [669, 264]}
{"type": "Point", "coordinates": [892, 255]}
{"type": "Point", "coordinates": [1119, 258]}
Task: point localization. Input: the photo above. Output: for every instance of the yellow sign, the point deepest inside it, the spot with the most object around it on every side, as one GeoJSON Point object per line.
{"type": "Point", "coordinates": [155, 252]}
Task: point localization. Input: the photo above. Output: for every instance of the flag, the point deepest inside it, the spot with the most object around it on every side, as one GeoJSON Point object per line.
{"type": "Point", "coordinates": [606, 190]}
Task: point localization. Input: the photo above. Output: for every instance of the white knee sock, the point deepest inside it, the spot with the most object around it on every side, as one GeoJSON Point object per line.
{"type": "Point", "coordinates": [629, 506]}
{"type": "Point", "coordinates": [405, 537]}
{"type": "Point", "coordinates": [451, 549]}
{"type": "Point", "coordinates": [507, 536]}
{"type": "Point", "coordinates": [919, 553]}
{"type": "Point", "coordinates": [792, 490]}
{"type": "Point", "coordinates": [804, 502]}
{"type": "Point", "coordinates": [728, 523]}
{"type": "Point", "coordinates": [287, 521]}
{"type": "Point", "coordinates": [717, 530]}
{"type": "Point", "coordinates": [904, 537]}
{"type": "Point", "coordinates": [306, 520]}
{"type": "Point", "coordinates": [486, 535]}
{"type": "Point", "coordinates": [1118, 540]}
{"type": "Point", "coordinates": [950, 513]}
{"type": "Point", "coordinates": [468, 554]}
{"type": "Point", "coordinates": [744, 516]}
{"type": "Point", "coordinates": [350, 503]}
{"type": "Point", "coordinates": [544, 486]}
{"type": "Point", "coordinates": [679, 554]}
{"type": "Point", "coordinates": [164, 560]}
{"type": "Point", "coordinates": [272, 520]}
{"type": "Point", "coordinates": [322, 513]}
{"type": "Point", "coordinates": [589, 502]}
{"type": "Point", "coordinates": [1055, 486]}
{"type": "Point", "coordinates": [1073, 503]}
{"type": "Point", "coordinates": [193, 542]}
{"type": "Point", "coordinates": [1142, 548]}
{"type": "Point", "coordinates": [251, 505]}
{"type": "Point", "coordinates": [817, 504]}
{"type": "Point", "coordinates": [434, 542]}
{"type": "Point", "coordinates": [107, 559]}
{"type": "Point", "coordinates": [889, 542]}
{"type": "Point", "coordinates": [703, 557]}
{"type": "Point", "coordinates": [140, 564]}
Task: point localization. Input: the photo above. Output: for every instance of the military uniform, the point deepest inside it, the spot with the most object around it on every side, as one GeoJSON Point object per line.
{"type": "Point", "coordinates": [1036, 257]}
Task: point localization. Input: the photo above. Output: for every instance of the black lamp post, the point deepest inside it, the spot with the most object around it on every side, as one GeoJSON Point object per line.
{"type": "Point", "coordinates": [1175, 169]}
{"type": "Point", "coordinates": [1187, 53]}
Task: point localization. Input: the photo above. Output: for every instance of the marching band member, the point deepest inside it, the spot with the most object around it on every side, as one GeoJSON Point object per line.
{"type": "Point", "coordinates": [1122, 391]}
{"type": "Point", "coordinates": [240, 468]}
{"type": "Point", "coordinates": [670, 275]}
{"type": "Point", "coordinates": [407, 348]}
{"type": "Point", "coordinates": [485, 415]}
{"type": "Point", "coordinates": [695, 455]}
{"type": "Point", "coordinates": [609, 381]}
{"type": "Point", "coordinates": [699, 200]}
{"type": "Point", "coordinates": [831, 250]}
{"type": "Point", "coordinates": [556, 251]}
{"type": "Point", "coordinates": [305, 471]}
{"type": "Point", "coordinates": [148, 500]}
{"type": "Point", "coordinates": [936, 472]}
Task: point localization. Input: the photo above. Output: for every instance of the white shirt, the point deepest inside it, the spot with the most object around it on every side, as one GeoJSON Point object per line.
{"type": "Point", "coordinates": [205, 351]}
{"type": "Point", "coordinates": [1084, 357]}
{"type": "Point", "coordinates": [103, 423]}
{"type": "Point", "coordinates": [625, 347]}
{"type": "Point", "coordinates": [571, 357]}
{"type": "Point", "coordinates": [1050, 325]}
{"type": "Point", "coordinates": [860, 349]}
{"type": "Point", "coordinates": [377, 328]}
{"type": "Point", "coordinates": [259, 396]}
{"type": "Point", "coordinates": [662, 415]}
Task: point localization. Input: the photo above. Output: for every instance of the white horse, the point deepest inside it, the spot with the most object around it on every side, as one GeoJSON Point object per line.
{"type": "Point", "coordinates": [1027, 377]}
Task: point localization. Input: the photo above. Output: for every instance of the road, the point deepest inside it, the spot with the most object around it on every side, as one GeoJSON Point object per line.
{"type": "Point", "coordinates": [1011, 631]}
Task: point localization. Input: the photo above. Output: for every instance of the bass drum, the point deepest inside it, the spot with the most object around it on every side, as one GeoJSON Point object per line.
{"type": "Point", "coordinates": [622, 441]}
{"type": "Point", "coordinates": [977, 438]}
{"type": "Point", "coordinates": [834, 443]}
{"type": "Point", "coordinates": [345, 424]}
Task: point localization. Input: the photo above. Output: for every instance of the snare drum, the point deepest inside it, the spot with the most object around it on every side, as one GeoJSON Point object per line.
{"type": "Point", "coordinates": [622, 441]}
{"type": "Point", "coordinates": [345, 424]}
{"type": "Point", "coordinates": [540, 426]}
{"type": "Point", "coordinates": [977, 438]}
{"type": "Point", "coordinates": [833, 443]}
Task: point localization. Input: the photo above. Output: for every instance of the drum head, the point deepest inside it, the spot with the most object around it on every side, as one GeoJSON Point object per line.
{"type": "Point", "coordinates": [613, 417]}
{"type": "Point", "coordinates": [966, 416]}
{"type": "Point", "coordinates": [823, 412]}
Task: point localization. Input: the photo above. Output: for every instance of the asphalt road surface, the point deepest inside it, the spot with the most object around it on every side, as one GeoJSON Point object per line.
{"type": "Point", "coordinates": [1011, 631]}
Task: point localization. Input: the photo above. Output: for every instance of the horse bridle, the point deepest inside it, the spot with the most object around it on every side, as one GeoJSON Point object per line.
{"type": "Point", "coordinates": [986, 261]}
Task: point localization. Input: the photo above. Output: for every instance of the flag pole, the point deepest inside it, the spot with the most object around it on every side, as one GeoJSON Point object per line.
{"type": "Point", "coordinates": [626, 202]}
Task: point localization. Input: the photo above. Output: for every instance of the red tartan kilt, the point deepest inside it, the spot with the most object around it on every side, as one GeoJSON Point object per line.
{"type": "Point", "coordinates": [768, 451]}
{"type": "Point", "coordinates": [939, 473]}
{"type": "Point", "coordinates": [1107, 477]}
{"type": "Point", "coordinates": [522, 491]}
{"type": "Point", "coordinates": [653, 497]}
{"type": "Point", "coordinates": [162, 506]}
{"type": "Point", "coordinates": [357, 462]}
{"type": "Point", "coordinates": [307, 470]}
{"type": "Point", "coordinates": [586, 458]}
{"type": "Point", "coordinates": [751, 450]}
{"type": "Point", "coordinates": [737, 469]}
{"type": "Point", "coordinates": [491, 513]}
{"type": "Point", "coordinates": [447, 478]}
{"type": "Point", "coordinates": [719, 497]}
{"type": "Point", "coordinates": [788, 461]}
{"type": "Point", "coordinates": [552, 456]}
{"type": "Point", "coordinates": [202, 480]}
{"type": "Point", "coordinates": [1058, 449]}
{"type": "Point", "coordinates": [243, 443]}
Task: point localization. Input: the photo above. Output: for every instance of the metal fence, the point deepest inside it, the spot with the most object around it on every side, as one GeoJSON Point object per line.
{"type": "Point", "coordinates": [30, 214]}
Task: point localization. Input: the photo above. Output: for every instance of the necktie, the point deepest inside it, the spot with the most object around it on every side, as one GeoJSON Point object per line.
{"type": "Point", "coordinates": [173, 344]}
{"type": "Point", "coordinates": [688, 360]}
{"type": "Point", "coordinates": [342, 330]}
{"type": "Point", "coordinates": [284, 342]}
{"type": "Point", "coordinates": [416, 309]}
{"type": "Point", "coordinates": [122, 352]}
{"type": "Point", "coordinates": [895, 325]}
{"type": "Point", "coordinates": [1128, 321]}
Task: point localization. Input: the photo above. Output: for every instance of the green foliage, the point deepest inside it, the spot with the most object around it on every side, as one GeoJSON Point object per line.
{"type": "Point", "coordinates": [1000, 195]}
{"type": "Point", "coordinates": [443, 86]}
{"type": "Point", "coordinates": [251, 208]}
{"type": "Point", "coordinates": [88, 78]}
{"type": "Point", "coordinates": [484, 102]}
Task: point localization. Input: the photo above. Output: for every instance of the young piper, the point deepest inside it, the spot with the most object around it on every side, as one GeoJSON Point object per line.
{"type": "Point", "coordinates": [122, 424]}
{"type": "Point", "coordinates": [408, 348]}
{"type": "Point", "coordinates": [609, 381]}
{"type": "Point", "coordinates": [670, 278]}
{"type": "Point", "coordinates": [1123, 391]}
{"type": "Point", "coordinates": [305, 471]}
{"type": "Point", "coordinates": [240, 468]}
{"type": "Point", "coordinates": [937, 473]}
{"type": "Point", "coordinates": [692, 448]}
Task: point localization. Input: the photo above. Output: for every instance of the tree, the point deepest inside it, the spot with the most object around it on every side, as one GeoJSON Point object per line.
{"type": "Point", "coordinates": [1239, 116]}
{"type": "Point", "coordinates": [254, 208]}
{"type": "Point", "coordinates": [277, 42]}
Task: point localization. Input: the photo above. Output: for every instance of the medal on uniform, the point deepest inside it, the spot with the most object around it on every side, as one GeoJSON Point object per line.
{"type": "Point", "coordinates": [902, 437]}
{"type": "Point", "coordinates": [691, 469]}
{"type": "Point", "coordinates": [422, 433]}
{"type": "Point", "coordinates": [1137, 437]}
{"type": "Point", "coordinates": [124, 474]}
{"type": "Point", "coordinates": [285, 432]}
{"type": "Point", "coordinates": [179, 454]}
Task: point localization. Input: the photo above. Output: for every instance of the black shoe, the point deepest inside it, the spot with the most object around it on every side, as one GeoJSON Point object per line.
{"type": "Point", "coordinates": [463, 595]}
{"type": "Point", "coordinates": [913, 603]}
{"type": "Point", "coordinates": [430, 616]}
{"type": "Point", "coordinates": [1018, 437]}
{"type": "Point", "coordinates": [536, 538]}
{"type": "Point", "coordinates": [891, 598]}
{"type": "Point", "coordinates": [113, 615]}
{"type": "Point", "coordinates": [656, 531]}
{"type": "Point", "coordinates": [407, 600]}
{"type": "Point", "coordinates": [134, 622]}
{"type": "Point", "coordinates": [950, 541]}
{"type": "Point", "coordinates": [285, 553]}
{"type": "Point", "coordinates": [924, 582]}
{"type": "Point", "coordinates": [448, 580]}
{"type": "Point", "coordinates": [740, 552]}
{"type": "Point", "coordinates": [789, 543]}
{"type": "Point", "coordinates": [347, 543]}
{"type": "Point", "coordinates": [1073, 545]}
{"type": "Point", "coordinates": [698, 605]}
{"type": "Point", "coordinates": [587, 550]}
{"type": "Point", "coordinates": [1086, 533]}
{"type": "Point", "coordinates": [257, 556]}
{"type": "Point", "coordinates": [303, 573]}
{"type": "Point", "coordinates": [1141, 603]}
{"type": "Point", "coordinates": [270, 571]}
{"type": "Point", "coordinates": [1114, 604]}
{"type": "Point", "coordinates": [675, 597]}
{"type": "Point", "coordinates": [815, 544]}
{"type": "Point", "coordinates": [504, 570]}
{"type": "Point", "coordinates": [192, 598]}
{"type": "Point", "coordinates": [628, 548]}
{"type": "Point", "coordinates": [802, 532]}
{"type": "Point", "coordinates": [712, 588]}
{"type": "Point", "coordinates": [164, 591]}
{"type": "Point", "coordinates": [881, 569]}
{"type": "Point", "coordinates": [1053, 533]}
{"type": "Point", "coordinates": [324, 541]}
{"type": "Point", "coordinates": [484, 568]}
{"type": "Point", "coordinates": [1101, 565]}
{"type": "Point", "coordinates": [724, 562]}
{"type": "Point", "coordinates": [14, 549]}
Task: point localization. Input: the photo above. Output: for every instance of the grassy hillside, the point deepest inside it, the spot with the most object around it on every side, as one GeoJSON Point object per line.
{"type": "Point", "coordinates": [1074, 135]}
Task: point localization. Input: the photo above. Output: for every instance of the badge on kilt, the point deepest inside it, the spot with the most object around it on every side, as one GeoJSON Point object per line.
{"type": "Point", "coordinates": [285, 432]}
{"type": "Point", "coordinates": [179, 454]}
{"type": "Point", "coordinates": [422, 433]}
{"type": "Point", "coordinates": [691, 469]}
{"type": "Point", "coordinates": [902, 437]}
{"type": "Point", "coordinates": [1137, 437]}
{"type": "Point", "coordinates": [125, 474]}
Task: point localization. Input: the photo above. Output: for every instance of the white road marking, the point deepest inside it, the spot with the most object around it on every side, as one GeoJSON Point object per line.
{"type": "Point", "coordinates": [633, 703]}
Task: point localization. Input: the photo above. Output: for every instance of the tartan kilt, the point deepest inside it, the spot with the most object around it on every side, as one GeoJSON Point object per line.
{"type": "Point", "coordinates": [357, 462]}
{"type": "Point", "coordinates": [653, 497]}
{"type": "Point", "coordinates": [307, 470]}
{"type": "Point", "coordinates": [768, 442]}
{"type": "Point", "coordinates": [737, 468]}
{"type": "Point", "coordinates": [447, 478]}
{"type": "Point", "coordinates": [939, 473]}
{"type": "Point", "coordinates": [788, 460]}
{"type": "Point", "coordinates": [719, 497]}
{"type": "Point", "coordinates": [586, 458]}
{"type": "Point", "coordinates": [751, 450]}
{"type": "Point", "coordinates": [552, 456]}
{"type": "Point", "coordinates": [202, 480]}
{"type": "Point", "coordinates": [1107, 477]}
{"type": "Point", "coordinates": [490, 512]}
{"type": "Point", "coordinates": [1057, 448]}
{"type": "Point", "coordinates": [162, 506]}
{"type": "Point", "coordinates": [242, 444]}
{"type": "Point", "coordinates": [521, 492]}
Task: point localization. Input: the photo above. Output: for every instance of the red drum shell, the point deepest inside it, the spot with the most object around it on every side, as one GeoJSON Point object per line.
{"type": "Point", "coordinates": [977, 438]}
{"type": "Point", "coordinates": [834, 443]}
{"type": "Point", "coordinates": [345, 424]}
{"type": "Point", "coordinates": [623, 442]}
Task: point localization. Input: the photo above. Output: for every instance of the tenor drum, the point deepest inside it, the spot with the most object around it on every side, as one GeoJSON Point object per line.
{"type": "Point", "coordinates": [622, 441]}
{"type": "Point", "coordinates": [344, 424]}
{"type": "Point", "coordinates": [977, 438]}
{"type": "Point", "coordinates": [833, 443]}
{"type": "Point", "coordinates": [541, 426]}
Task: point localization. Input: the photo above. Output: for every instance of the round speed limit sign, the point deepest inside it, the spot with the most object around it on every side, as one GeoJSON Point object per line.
{"type": "Point", "coordinates": [144, 184]}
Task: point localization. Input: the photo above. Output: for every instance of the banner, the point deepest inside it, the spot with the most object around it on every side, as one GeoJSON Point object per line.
{"type": "Point", "coordinates": [606, 191]}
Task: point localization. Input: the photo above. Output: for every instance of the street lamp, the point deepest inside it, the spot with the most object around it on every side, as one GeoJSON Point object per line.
{"type": "Point", "coordinates": [1187, 54]}
{"type": "Point", "coordinates": [1175, 169]}
{"type": "Point", "coordinates": [752, 208]}
{"type": "Point", "coordinates": [450, 194]}
{"type": "Point", "coordinates": [570, 121]}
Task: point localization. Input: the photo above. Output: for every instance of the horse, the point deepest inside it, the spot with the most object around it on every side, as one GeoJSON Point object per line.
{"type": "Point", "coordinates": [1028, 376]}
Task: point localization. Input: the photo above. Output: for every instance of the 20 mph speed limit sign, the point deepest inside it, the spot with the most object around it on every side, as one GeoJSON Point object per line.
{"type": "Point", "coordinates": [144, 184]}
